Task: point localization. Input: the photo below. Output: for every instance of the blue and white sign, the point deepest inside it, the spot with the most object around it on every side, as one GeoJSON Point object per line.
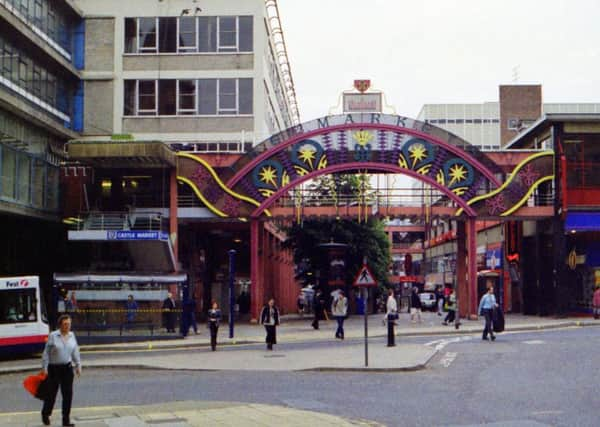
{"type": "Point", "coordinates": [493, 258]}
{"type": "Point", "coordinates": [136, 235]}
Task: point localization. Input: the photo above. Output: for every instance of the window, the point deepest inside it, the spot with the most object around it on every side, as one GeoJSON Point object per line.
{"type": "Point", "coordinates": [207, 34]}
{"type": "Point", "coordinates": [187, 97]}
{"type": "Point", "coordinates": [246, 37]}
{"type": "Point", "coordinates": [9, 170]}
{"type": "Point", "coordinates": [147, 34]}
{"type": "Point", "coordinates": [129, 97]}
{"type": "Point", "coordinates": [227, 34]}
{"type": "Point", "coordinates": [147, 97]}
{"type": "Point", "coordinates": [245, 96]}
{"type": "Point", "coordinates": [187, 40]}
{"type": "Point", "coordinates": [207, 96]}
{"type": "Point", "coordinates": [167, 97]}
{"type": "Point", "coordinates": [167, 35]}
{"type": "Point", "coordinates": [130, 35]}
{"type": "Point", "coordinates": [18, 306]}
{"type": "Point", "coordinates": [227, 96]}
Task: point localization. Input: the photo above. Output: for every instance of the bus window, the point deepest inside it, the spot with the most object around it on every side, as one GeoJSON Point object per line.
{"type": "Point", "coordinates": [17, 306]}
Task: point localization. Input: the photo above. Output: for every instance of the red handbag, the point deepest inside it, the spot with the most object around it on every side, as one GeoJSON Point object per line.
{"type": "Point", "coordinates": [32, 383]}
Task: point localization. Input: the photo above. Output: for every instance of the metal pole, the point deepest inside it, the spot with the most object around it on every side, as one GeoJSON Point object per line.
{"type": "Point", "coordinates": [365, 296]}
{"type": "Point", "coordinates": [231, 290]}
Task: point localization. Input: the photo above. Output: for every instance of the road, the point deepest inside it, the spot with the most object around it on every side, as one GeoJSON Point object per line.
{"type": "Point", "coordinates": [522, 379]}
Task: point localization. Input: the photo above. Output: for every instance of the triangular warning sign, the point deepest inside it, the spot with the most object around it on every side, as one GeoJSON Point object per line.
{"type": "Point", "coordinates": [365, 277]}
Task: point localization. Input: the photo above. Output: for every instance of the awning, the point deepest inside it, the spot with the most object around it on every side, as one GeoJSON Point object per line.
{"type": "Point", "coordinates": [114, 278]}
{"type": "Point", "coordinates": [582, 221]}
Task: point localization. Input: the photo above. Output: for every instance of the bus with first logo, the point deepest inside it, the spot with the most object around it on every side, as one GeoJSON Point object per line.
{"type": "Point", "coordinates": [22, 328]}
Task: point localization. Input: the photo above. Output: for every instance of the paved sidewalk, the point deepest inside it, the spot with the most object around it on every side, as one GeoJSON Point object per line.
{"type": "Point", "coordinates": [188, 414]}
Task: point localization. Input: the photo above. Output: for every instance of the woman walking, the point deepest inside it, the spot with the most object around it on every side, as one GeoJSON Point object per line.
{"type": "Point", "coordinates": [214, 317]}
{"type": "Point", "coordinates": [451, 306]}
{"type": "Point", "coordinates": [415, 305]}
{"type": "Point", "coordinates": [60, 354]}
{"type": "Point", "coordinates": [391, 315]}
{"type": "Point", "coordinates": [486, 308]}
{"type": "Point", "coordinates": [269, 317]}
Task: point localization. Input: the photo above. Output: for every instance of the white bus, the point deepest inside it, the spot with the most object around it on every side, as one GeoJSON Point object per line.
{"type": "Point", "coordinates": [22, 328]}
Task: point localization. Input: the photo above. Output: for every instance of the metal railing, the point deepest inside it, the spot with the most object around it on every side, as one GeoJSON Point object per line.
{"type": "Point", "coordinates": [144, 221]}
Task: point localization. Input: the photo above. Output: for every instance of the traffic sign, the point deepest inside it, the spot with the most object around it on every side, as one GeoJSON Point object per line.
{"type": "Point", "coordinates": [364, 277]}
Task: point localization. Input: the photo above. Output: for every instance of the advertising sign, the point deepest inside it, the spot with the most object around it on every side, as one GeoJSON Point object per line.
{"type": "Point", "coordinates": [362, 103]}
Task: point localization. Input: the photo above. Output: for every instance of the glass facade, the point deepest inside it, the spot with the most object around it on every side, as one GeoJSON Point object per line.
{"type": "Point", "coordinates": [170, 97]}
{"type": "Point", "coordinates": [47, 17]}
{"type": "Point", "coordinates": [189, 34]}
{"type": "Point", "coordinates": [47, 88]}
{"type": "Point", "coordinates": [583, 161]}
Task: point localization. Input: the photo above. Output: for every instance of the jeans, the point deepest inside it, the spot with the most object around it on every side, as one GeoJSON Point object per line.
{"type": "Point", "coordinates": [339, 333]}
{"type": "Point", "coordinates": [214, 328]}
{"type": "Point", "coordinates": [450, 316]}
{"type": "Point", "coordinates": [487, 312]}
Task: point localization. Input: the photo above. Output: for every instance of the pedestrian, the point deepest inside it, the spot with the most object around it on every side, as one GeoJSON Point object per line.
{"type": "Point", "coordinates": [60, 356]}
{"type": "Point", "coordinates": [269, 317]}
{"type": "Point", "coordinates": [300, 302]}
{"type": "Point", "coordinates": [318, 308]}
{"type": "Point", "coordinates": [131, 310]}
{"type": "Point", "coordinates": [596, 302]}
{"type": "Point", "coordinates": [451, 307]}
{"type": "Point", "coordinates": [486, 308]}
{"type": "Point", "coordinates": [415, 305]}
{"type": "Point", "coordinates": [339, 310]}
{"type": "Point", "coordinates": [214, 318]}
{"type": "Point", "coordinates": [169, 312]}
{"type": "Point", "coordinates": [391, 315]}
{"type": "Point", "coordinates": [439, 300]}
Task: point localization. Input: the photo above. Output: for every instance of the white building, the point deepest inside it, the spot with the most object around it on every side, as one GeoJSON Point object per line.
{"type": "Point", "coordinates": [210, 76]}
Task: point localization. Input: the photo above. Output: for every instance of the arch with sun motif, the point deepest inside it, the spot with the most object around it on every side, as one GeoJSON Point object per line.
{"type": "Point", "coordinates": [366, 142]}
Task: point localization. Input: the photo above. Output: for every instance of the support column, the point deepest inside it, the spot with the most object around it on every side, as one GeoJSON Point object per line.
{"type": "Point", "coordinates": [462, 290]}
{"type": "Point", "coordinates": [472, 265]}
{"type": "Point", "coordinates": [255, 270]}
{"type": "Point", "coordinates": [173, 216]}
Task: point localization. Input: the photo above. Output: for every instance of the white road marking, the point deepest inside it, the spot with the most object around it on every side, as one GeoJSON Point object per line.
{"type": "Point", "coordinates": [448, 358]}
{"type": "Point", "coordinates": [441, 343]}
{"type": "Point", "coordinates": [547, 412]}
{"type": "Point", "coordinates": [534, 342]}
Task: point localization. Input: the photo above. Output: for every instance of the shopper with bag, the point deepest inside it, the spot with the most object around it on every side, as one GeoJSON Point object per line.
{"type": "Point", "coordinates": [391, 316]}
{"type": "Point", "coordinates": [60, 358]}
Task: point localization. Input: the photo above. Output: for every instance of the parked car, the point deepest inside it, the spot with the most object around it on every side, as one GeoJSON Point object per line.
{"type": "Point", "coordinates": [427, 300]}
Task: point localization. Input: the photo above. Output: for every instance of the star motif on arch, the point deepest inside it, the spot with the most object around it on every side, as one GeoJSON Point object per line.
{"type": "Point", "coordinates": [457, 173]}
{"type": "Point", "coordinates": [307, 154]}
{"type": "Point", "coordinates": [528, 175]}
{"type": "Point", "coordinates": [495, 204]}
{"type": "Point", "coordinates": [418, 152]}
{"type": "Point", "coordinates": [268, 175]}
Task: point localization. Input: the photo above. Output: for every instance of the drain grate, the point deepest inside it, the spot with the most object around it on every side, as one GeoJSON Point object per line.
{"type": "Point", "coordinates": [167, 421]}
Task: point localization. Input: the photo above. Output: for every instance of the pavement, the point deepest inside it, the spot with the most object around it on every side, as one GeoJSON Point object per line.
{"type": "Point", "coordinates": [243, 354]}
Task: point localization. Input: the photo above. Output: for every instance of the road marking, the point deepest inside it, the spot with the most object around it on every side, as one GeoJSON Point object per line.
{"type": "Point", "coordinates": [448, 358]}
{"type": "Point", "coordinates": [533, 342]}
{"type": "Point", "coordinates": [441, 343]}
{"type": "Point", "coordinates": [547, 412]}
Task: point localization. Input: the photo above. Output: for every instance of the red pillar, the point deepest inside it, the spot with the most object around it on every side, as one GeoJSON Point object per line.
{"type": "Point", "coordinates": [173, 215]}
{"type": "Point", "coordinates": [461, 271]}
{"type": "Point", "coordinates": [472, 264]}
{"type": "Point", "coordinates": [256, 278]}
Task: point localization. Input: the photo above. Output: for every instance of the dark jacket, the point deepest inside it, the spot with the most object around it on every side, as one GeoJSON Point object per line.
{"type": "Point", "coordinates": [214, 316]}
{"type": "Point", "coordinates": [415, 300]}
{"type": "Point", "coordinates": [265, 315]}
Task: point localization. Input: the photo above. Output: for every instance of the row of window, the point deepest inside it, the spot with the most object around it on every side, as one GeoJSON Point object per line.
{"type": "Point", "coordinates": [28, 180]}
{"type": "Point", "coordinates": [47, 17]}
{"type": "Point", "coordinates": [461, 121]}
{"type": "Point", "coordinates": [25, 72]}
{"type": "Point", "coordinates": [170, 97]}
{"type": "Point", "coordinates": [188, 34]}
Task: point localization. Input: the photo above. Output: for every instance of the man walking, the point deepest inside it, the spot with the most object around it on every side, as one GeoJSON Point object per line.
{"type": "Point", "coordinates": [339, 309]}
{"type": "Point", "coordinates": [391, 315]}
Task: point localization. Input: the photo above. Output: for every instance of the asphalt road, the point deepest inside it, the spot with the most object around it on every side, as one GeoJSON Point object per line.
{"type": "Point", "coordinates": [546, 378]}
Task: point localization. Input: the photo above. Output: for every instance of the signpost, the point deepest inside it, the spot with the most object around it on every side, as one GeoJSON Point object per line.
{"type": "Point", "coordinates": [365, 279]}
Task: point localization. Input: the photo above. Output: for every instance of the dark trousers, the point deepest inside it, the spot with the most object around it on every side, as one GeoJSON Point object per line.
{"type": "Point", "coordinates": [450, 316]}
{"type": "Point", "coordinates": [339, 333]}
{"type": "Point", "coordinates": [315, 322]}
{"type": "Point", "coordinates": [271, 336]}
{"type": "Point", "coordinates": [60, 375]}
{"type": "Point", "coordinates": [214, 328]}
{"type": "Point", "coordinates": [487, 312]}
{"type": "Point", "coordinates": [391, 337]}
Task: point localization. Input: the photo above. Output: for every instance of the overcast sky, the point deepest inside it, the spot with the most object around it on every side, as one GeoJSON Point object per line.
{"type": "Point", "coordinates": [441, 51]}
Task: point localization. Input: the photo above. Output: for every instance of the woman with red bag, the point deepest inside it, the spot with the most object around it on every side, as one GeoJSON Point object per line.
{"type": "Point", "coordinates": [60, 354]}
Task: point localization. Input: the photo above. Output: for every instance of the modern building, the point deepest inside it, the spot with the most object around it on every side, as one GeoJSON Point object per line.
{"type": "Point", "coordinates": [41, 62]}
{"type": "Point", "coordinates": [162, 77]}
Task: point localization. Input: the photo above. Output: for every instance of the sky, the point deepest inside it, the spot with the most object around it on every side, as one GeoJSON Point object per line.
{"type": "Point", "coordinates": [441, 51]}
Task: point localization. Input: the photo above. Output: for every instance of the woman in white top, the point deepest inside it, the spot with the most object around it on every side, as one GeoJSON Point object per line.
{"type": "Point", "coordinates": [339, 309]}
{"type": "Point", "coordinates": [60, 355]}
{"type": "Point", "coordinates": [391, 315]}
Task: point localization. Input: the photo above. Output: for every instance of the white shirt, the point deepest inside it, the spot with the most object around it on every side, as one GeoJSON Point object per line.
{"type": "Point", "coordinates": [340, 306]}
{"type": "Point", "coordinates": [391, 305]}
{"type": "Point", "coordinates": [61, 351]}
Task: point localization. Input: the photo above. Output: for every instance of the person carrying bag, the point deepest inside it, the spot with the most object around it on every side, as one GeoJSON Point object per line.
{"type": "Point", "coordinates": [391, 315]}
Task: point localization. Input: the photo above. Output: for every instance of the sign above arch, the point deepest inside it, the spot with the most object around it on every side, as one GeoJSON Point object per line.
{"type": "Point", "coordinates": [366, 142]}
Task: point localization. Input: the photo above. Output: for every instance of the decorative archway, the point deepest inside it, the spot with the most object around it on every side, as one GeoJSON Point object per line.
{"type": "Point", "coordinates": [371, 142]}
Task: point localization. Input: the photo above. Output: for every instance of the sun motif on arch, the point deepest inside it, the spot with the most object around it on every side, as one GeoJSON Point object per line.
{"type": "Point", "coordinates": [307, 154]}
{"type": "Point", "coordinates": [458, 173]}
{"type": "Point", "coordinates": [418, 152]}
{"type": "Point", "coordinates": [362, 137]}
{"type": "Point", "coordinates": [268, 174]}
